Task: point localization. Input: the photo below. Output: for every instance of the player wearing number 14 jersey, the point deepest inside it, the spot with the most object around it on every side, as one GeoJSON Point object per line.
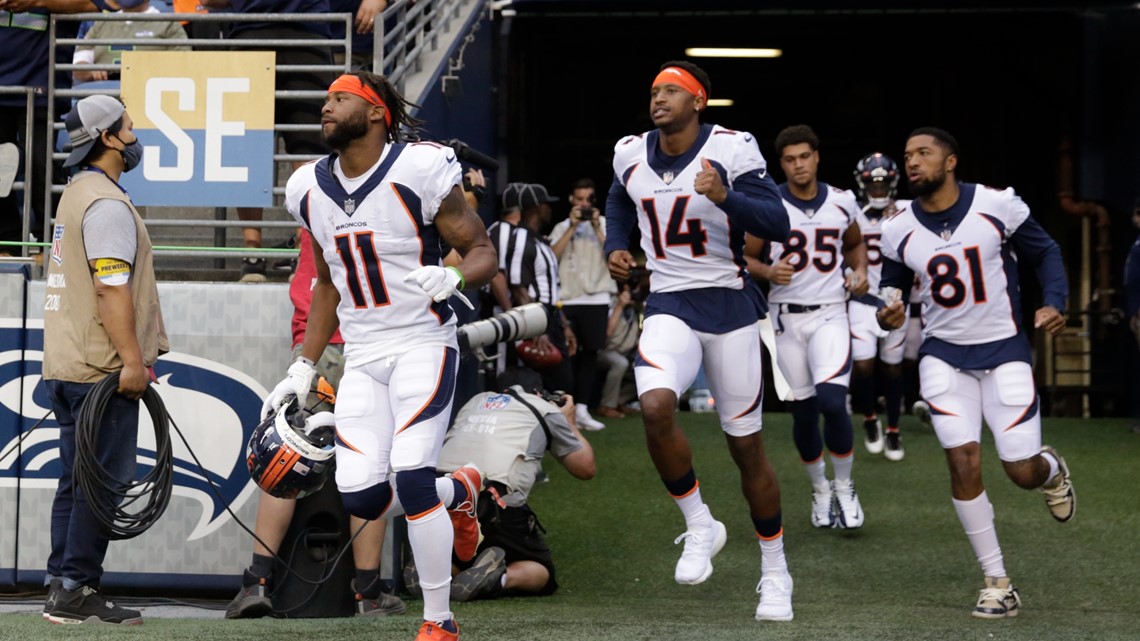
{"type": "Point", "coordinates": [694, 190]}
{"type": "Point", "coordinates": [379, 210]}
{"type": "Point", "coordinates": [967, 242]}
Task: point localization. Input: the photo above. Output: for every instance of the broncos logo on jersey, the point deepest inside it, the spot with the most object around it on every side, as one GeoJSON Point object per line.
{"type": "Point", "coordinates": [214, 406]}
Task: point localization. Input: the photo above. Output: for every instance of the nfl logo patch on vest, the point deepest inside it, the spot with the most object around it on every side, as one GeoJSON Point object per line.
{"type": "Point", "coordinates": [57, 245]}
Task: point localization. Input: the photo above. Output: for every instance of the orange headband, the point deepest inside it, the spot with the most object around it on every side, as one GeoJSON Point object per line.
{"type": "Point", "coordinates": [348, 83]}
{"type": "Point", "coordinates": [681, 78]}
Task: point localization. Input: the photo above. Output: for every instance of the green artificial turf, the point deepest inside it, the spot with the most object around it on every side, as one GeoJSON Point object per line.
{"type": "Point", "coordinates": [908, 574]}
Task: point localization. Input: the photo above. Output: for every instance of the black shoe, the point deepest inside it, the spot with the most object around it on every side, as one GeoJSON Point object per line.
{"type": "Point", "coordinates": [483, 579]}
{"type": "Point", "coordinates": [87, 605]}
{"type": "Point", "coordinates": [894, 451]}
{"type": "Point", "coordinates": [54, 586]}
{"type": "Point", "coordinates": [381, 605]}
{"type": "Point", "coordinates": [253, 270]}
{"type": "Point", "coordinates": [252, 602]}
{"type": "Point", "coordinates": [286, 265]}
{"type": "Point", "coordinates": [873, 440]}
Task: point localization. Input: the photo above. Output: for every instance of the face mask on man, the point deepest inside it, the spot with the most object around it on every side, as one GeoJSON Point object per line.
{"type": "Point", "coordinates": [132, 153]}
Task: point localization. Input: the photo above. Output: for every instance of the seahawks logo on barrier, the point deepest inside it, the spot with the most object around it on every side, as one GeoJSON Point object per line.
{"type": "Point", "coordinates": [215, 407]}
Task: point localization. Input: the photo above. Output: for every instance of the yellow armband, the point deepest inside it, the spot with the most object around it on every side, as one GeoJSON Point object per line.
{"type": "Point", "coordinates": [112, 271]}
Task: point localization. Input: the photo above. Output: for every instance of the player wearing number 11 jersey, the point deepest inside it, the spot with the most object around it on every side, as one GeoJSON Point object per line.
{"type": "Point", "coordinates": [379, 210]}
{"type": "Point", "coordinates": [967, 242]}
{"type": "Point", "coordinates": [694, 190]}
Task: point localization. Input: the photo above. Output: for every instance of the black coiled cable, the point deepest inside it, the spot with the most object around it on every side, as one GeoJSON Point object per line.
{"type": "Point", "coordinates": [127, 507]}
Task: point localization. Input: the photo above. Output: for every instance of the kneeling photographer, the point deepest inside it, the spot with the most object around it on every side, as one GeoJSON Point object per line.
{"type": "Point", "coordinates": [506, 435]}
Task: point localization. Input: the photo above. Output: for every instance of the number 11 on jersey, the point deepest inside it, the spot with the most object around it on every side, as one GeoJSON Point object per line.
{"type": "Point", "coordinates": [372, 271]}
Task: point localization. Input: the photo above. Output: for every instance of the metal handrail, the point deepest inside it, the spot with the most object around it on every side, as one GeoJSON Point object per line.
{"type": "Point", "coordinates": [196, 222]}
{"type": "Point", "coordinates": [25, 185]}
{"type": "Point", "coordinates": [395, 53]}
{"type": "Point", "coordinates": [250, 44]}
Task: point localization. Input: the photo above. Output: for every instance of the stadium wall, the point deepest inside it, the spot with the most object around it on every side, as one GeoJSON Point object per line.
{"type": "Point", "coordinates": [229, 344]}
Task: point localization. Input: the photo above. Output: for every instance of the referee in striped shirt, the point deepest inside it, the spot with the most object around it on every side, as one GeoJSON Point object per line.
{"type": "Point", "coordinates": [531, 270]}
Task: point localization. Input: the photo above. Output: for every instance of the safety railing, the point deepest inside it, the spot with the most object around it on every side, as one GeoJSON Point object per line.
{"type": "Point", "coordinates": [198, 44]}
{"type": "Point", "coordinates": [25, 186]}
{"type": "Point", "coordinates": [403, 33]}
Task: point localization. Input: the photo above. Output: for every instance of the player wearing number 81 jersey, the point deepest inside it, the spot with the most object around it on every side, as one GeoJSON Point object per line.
{"type": "Point", "coordinates": [694, 190]}
{"type": "Point", "coordinates": [966, 242]}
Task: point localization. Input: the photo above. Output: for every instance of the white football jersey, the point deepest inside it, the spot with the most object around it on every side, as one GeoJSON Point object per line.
{"type": "Point", "coordinates": [688, 241]}
{"type": "Point", "coordinates": [960, 258]}
{"type": "Point", "coordinates": [373, 237]}
{"type": "Point", "coordinates": [816, 246]}
{"type": "Point", "coordinates": [872, 229]}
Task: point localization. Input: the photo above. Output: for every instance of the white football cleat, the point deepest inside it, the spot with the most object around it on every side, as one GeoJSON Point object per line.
{"type": "Point", "coordinates": [775, 591]}
{"type": "Point", "coordinates": [998, 600]}
{"type": "Point", "coordinates": [848, 513]}
{"type": "Point", "coordinates": [873, 437]}
{"type": "Point", "coordinates": [921, 411]}
{"type": "Point", "coordinates": [822, 506]}
{"type": "Point", "coordinates": [894, 450]}
{"type": "Point", "coordinates": [695, 564]}
{"type": "Point", "coordinates": [1059, 494]}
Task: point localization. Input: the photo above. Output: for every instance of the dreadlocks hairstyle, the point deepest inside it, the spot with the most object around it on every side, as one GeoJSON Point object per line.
{"type": "Point", "coordinates": [697, 72]}
{"type": "Point", "coordinates": [942, 137]}
{"type": "Point", "coordinates": [404, 127]}
{"type": "Point", "coordinates": [795, 135]}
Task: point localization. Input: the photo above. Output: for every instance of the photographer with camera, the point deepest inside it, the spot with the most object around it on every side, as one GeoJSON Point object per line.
{"type": "Point", "coordinates": [586, 289]}
{"type": "Point", "coordinates": [507, 434]}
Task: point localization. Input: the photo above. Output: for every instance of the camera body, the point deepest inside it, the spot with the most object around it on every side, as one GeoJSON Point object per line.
{"type": "Point", "coordinates": [557, 397]}
{"type": "Point", "coordinates": [587, 213]}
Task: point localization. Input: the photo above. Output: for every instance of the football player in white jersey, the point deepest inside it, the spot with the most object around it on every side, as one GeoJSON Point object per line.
{"type": "Point", "coordinates": [693, 190]}
{"type": "Point", "coordinates": [966, 243]}
{"type": "Point", "coordinates": [378, 210]}
{"type": "Point", "coordinates": [809, 291]}
{"type": "Point", "coordinates": [876, 179]}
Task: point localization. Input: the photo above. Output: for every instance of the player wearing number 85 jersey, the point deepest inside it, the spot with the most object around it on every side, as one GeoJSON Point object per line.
{"type": "Point", "coordinates": [809, 293]}
{"type": "Point", "coordinates": [379, 210]}
{"type": "Point", "coordinates": [966, 243]}
{"type": "Point", "coordinates": [694, 190]}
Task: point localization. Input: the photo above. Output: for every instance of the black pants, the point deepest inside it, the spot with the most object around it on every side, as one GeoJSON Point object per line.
{"type": "Point", "coordinates": [517, 531]}
{"type": "Point", "coordinates": [589, 325]}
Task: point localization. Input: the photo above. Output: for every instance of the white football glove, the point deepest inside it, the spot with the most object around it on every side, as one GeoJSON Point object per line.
{"type": "Point", "coordinates": [440, 283]}
{"type": "Point", "coordinates": [296, 383]}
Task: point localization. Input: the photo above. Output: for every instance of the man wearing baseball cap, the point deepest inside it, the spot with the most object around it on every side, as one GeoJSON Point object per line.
{"type": "Point", "coordinates": [531, 270]}
{"type": "Point", "coordinates": [101, 317]}
{"type": "Point", "coordinates": [526, 196]}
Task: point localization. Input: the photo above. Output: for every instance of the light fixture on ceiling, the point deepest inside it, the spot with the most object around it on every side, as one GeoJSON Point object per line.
{"type": "Point", "coordinates": [732, 52]}
{"type": "Point", "coordinates": [720, 102]}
